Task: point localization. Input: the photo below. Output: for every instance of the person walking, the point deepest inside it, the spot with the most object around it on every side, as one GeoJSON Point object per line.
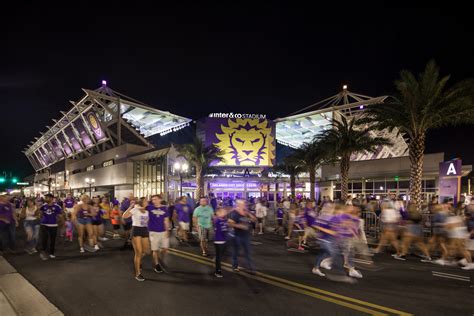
{"type": "Point", "coordinates": [140, 234]}
{"type": "Point", "coordinates": [220, 231]}
{"type": "Point", "coordinates": [159, 229]}
{"type": "Point", "coordinates": [31, 216]}
{"type": "Point", "coordinates": [240, 220]}
{"type": "Point", "coordinates": [202, 217]}
{"type": "Point", "coordinates": [50, 214]}
{"type": "Point", "coordinates": [261, 214]}
{"type": "Point", "coordinates": [8, 224]}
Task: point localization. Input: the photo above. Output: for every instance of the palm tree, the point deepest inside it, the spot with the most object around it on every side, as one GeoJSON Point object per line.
{"type": "Point", "coordinates": [201, 157]}
{"type": "Point", "coordinates": [292, 169]}
{"type": "Point", "coordinates": [422, 104]}
{"type": "Point", "coordinates": [309, 157]}
{"type": "Point", "coordinates": [348, 137]}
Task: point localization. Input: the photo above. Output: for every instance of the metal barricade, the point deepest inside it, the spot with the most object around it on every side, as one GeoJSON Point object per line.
{"type": "Point", "coordinates": [427, 224]}
{"type": "Point", "coordinates": [371, 224]}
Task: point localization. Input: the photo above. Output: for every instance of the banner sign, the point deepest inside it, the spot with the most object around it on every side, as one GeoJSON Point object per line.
{"type": "Point", "coordinates": [72, 139]}
{"type": "Point", "coordinates": [245, 142]}
{"type": "Point", "coordinates": [450, 173]}
{"type": "Point", "coordinates": [57, 149]}
{"type": "Point", "coordinates": [94, 124]}
{"type": "Point", "coordinates": [64, 144]}
{"type": "Point", "coordinates": [81, 129]}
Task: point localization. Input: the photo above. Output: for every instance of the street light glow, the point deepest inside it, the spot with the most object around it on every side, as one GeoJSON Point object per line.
{"type": "Point", "coordinates": [185, 167]}
{"type": "Point", "coordinates": [88, 180]}
{"type": "Point", "coordinates": [177, 165]}
{"type": "Point", "coordinates": [104, 82]}
{"type": "Point", "coordinates": [344, 87]}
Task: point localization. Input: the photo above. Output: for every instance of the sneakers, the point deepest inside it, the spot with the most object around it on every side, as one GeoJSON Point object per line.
{"type": "Point", "coordinates": [116, 236]}
{"type": "Point", "coordinates": [463, 262]}
{"type": "Point", "coordinates": [355, 274]}
{"type": "Point", "coordinates": [158, 269]}
{"type": "Point", "coordinates": [426, 259]}
{"type": "Point", "coordinates": [287, 238]}
{"type": "Point", "coordinates": [96, 247]}
{"type": "Point", "coordinates": [43, 256]}
{"type": "Point", "coordinates": [469, 266]}
{"type": "Point", "coordinates": [300, 248]}
{"type": "Point", "coordinates": [29, 251]}
{"type": "Point", "coordinates": [218, 275]}
{"type": "Point", "coordinates": [140, 278]}
{"type": "Point", "coordinates": [326, 264]}
{"type": "Point", "coordinates": [398, 257]}
{"type": "Point", "coordinates": [81, 250]}
{"type": "Point", "coordinates": [260, 233]}
{"type": "Point", "coordinates": [103, 238]}
{"type": "Point", "coordinates": [441, 262]}
{"type": "Point", "coordinates": [52, 256]}
{"type": "Point", "coordinates": [236, 269]}
{"type": "Point", "coordinates": [317, 272]}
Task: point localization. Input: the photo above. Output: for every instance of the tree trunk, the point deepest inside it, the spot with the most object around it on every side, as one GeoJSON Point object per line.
{"type": "Point", "coordinates": [199, 182]}
{"type": "Point", "coordinates": [416, 149]}
{"type": "Point", "coordinates": [312, 183]}
{"type": "Point", "coordinates": [292, 186]}
{"type": "Point", "coordinates": [345, 163]}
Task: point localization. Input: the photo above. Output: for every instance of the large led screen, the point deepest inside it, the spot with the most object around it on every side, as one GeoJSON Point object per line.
{"type": "Point", "coordinates": [245, 141]}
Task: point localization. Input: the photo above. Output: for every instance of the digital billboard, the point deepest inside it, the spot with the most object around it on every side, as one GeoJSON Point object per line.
{"type": "Point", "coordinates": [247, 140]}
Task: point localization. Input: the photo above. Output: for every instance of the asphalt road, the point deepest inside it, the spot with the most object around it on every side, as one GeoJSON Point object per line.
{"type": "Point", "coordinates": [102, 283]}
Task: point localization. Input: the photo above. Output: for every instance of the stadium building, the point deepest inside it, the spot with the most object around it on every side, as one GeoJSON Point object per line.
{"type": "Point", "coordinates": [110, 143]}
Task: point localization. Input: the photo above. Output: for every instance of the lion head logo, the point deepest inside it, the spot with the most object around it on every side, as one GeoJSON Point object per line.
{"type": "Point", "coordinates": [246, 142]}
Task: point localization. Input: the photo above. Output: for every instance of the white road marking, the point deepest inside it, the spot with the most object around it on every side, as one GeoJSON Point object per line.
{"type": "Point", "coordinates": [451, 276]}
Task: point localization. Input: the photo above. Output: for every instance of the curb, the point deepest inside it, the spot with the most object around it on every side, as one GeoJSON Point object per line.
{"type": "Point", "coordinates": [20, 297]}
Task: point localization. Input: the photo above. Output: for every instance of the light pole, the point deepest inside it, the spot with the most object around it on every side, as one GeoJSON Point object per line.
{"type": "Point", "coordinates": [181, 169]}
{"type": "Point", "coordinates": [90, 182]}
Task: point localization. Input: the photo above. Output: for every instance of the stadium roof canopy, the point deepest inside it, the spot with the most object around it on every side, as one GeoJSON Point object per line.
{"type": "Point", "coordinates": [302, 126]}
{"type": "Point", "coordinates": [101, 120]}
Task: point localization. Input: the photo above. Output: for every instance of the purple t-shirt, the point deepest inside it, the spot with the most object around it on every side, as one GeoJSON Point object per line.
{"type": "Point", "coordinates": [309, 216]}
{"type": "Point", "coordinates": [280, 213]}
{"type": "Point", "coordinates": [220, 229]}
{"type": "Point", "coordinates": [69, 203]}
{"type": "Point", "coordinates": [183, 212]}
{"type": "Point", "coordinates": [157, 216]}
{"type": "Point", "coordinates": [324, 221]}
{"type": "Point", "coordinates": [345, 225]}
{"type": "Point", "coordinates": [49, 214]}
{"type": "Point", "coordinates": [6, 213]}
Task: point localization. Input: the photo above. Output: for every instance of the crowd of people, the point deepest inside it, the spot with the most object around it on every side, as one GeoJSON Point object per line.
{"type": "Point", "coordinates": [146, 224]}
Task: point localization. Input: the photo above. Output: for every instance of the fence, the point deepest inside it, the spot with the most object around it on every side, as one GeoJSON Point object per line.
{"type": "Point", "coordinates": [373, 224]}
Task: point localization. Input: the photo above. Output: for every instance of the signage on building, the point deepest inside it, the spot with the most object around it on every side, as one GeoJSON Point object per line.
{"type": "Point", "coordinates": [232, 115]}
{"type": "Point", "coordinates": [94, 124]}
{"type": "Point", "coordinates": [234, 185]}
{"type": "Point", "coordinates": [246, 142]}
{"type": "Point", "coordinates": [450, 173]}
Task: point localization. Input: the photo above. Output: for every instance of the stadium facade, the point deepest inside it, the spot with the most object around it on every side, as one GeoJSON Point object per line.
{"type": "Point", "coordinates": [110, 143]}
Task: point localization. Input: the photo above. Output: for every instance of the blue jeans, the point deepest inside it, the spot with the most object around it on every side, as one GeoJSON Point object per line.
{"type": "Point", "coordinates": [324, 252]}
{"type": "Point", "coordinates": [7, 236]}
{"type": "Point", "coordinates": [244, 242]}
{"type": "Point", "coordinates": [32, 227]}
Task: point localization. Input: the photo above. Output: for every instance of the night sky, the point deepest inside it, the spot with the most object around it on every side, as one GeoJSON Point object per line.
{"type": "Point", "coordinates": [193, 59]}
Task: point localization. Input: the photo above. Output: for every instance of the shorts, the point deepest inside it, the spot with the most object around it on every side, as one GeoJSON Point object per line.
{"type": "Point", "coordinates": [260, 220]}
{"type": "Point", "coordinates": [414, 229]}
{"type": "Point", "coordinates": [116, 226]}
{"type": "Point", "coordinates": [84, 220]}
{"type": "Point", "coordinates": [280, 221]}
{"type": "Point", "coordinates": [138, 231]}
{"type": "Point", "coordinates": [159, 240]}
{"type": "Point", "coordinates": [97, 223]}
{"type": "Point", "coordinates": [69, 210]}
{"type": "Point", "coordinates": [204, 234]}
{"type": "Point", "coordinates": [309, 232]}
{"type": "Point", "coordinates": [184, 225]}
{"type": "Point", "coordinates": [127, 226]}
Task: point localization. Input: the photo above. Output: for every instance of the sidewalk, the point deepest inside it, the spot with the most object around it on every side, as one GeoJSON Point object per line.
{"type": "Point", "coordinates": [19, 297]}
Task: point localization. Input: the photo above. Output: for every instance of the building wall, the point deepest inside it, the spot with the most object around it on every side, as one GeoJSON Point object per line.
{"type": "Point", "coordinates": [109, 176]}
{"type": "Point", "coordinates": [380, 168]}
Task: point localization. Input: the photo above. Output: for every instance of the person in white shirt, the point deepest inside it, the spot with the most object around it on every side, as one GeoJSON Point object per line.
{"type": "Point", "coordinates": [260, 213]}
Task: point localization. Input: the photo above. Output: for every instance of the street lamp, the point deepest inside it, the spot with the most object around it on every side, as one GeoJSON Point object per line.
{"type": "Point", "coordinates": [90, 182]}
{"type": "Point", "coordinates": [181, 169]}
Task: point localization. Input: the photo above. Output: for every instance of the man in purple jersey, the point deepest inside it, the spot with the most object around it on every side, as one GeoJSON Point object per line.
{"type": "Point", "coordinates": [49, 226]}
{"type": "Point", "coordinates": [220, 232]}
{"type": "Point", "coordinates": [158, 227]}
{"type": "Point", "coordinates": [69, 203]}
{"type": "Point", "coordinates": [8, 224]}
{"type": "Point", "coordinates": [310, 217]}
{"type": "Point", "coordinates": [182, 213]}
